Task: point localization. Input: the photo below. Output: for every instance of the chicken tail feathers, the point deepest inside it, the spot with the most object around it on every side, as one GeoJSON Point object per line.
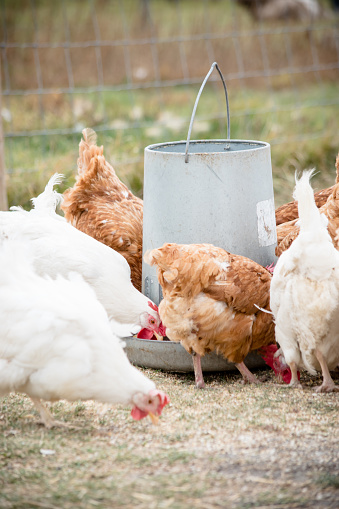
{"type": "Point", "coordinates": [308, 362]}
{"type": "Point", "coordinates": [88, 149]}
{"type": "Point", "coordinates": [310, 218]}
{"type": "Point", "coordinates": [90, 136]}
{"type": "Point", "coordinates": [47, 201]}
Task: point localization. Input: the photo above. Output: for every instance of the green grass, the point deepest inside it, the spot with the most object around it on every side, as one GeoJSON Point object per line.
{"type": "Point", "coordinates": [329, 480]}
{"type": "Point", "coordinates": [124, 147]}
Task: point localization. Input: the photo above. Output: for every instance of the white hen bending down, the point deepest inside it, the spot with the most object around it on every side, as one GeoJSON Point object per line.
{"type": "Point", "coordinates": [56, 342]}
{"type": "Point", "coordinates": [59, 248]}
{"type": "Point", "coordinates": [305, 294]}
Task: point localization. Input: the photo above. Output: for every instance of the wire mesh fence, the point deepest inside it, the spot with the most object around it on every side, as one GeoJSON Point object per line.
{"type": "Point", "coordinates": [131, 70]}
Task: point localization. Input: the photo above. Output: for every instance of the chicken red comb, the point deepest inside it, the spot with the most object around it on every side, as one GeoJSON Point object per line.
{"type": "Point", "coordinates": [153, 306]}
{"type": "Point", "coordinates": [268, 351]}
{"type": "Point", "coordinates": [277, 363]}
{"type": "Point", "coordinates": [164, 399]}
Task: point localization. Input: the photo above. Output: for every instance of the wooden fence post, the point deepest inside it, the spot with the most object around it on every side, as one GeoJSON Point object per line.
{"type": "Point", "coordinates": [3, 190]}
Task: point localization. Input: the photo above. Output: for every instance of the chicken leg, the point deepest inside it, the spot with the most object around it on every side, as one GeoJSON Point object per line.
{"type": "Point", "coordinates": [247, 375]}
{"type": "Point", "coordinates": [199, 379]}
{"type": "Point", "coordinates": [328, 385]}
{"type": "Point", "coordinates": [295, 382]}
{"type": "Point", "coordinates": [46, 417]}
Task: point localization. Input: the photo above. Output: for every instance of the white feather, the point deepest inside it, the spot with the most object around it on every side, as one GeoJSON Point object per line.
{"type": "Point", "coordinates": [47, 201]}
{"type": "Point", "coordinates": [55, 337]}
{"type": "Point", "coordinates": [59, 248]}
{"type": "Point", "coordinates": [305, 288]}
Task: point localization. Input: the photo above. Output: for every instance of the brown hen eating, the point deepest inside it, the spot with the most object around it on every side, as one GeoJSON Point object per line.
{"type": "Point", "coordinates": [215, 301]}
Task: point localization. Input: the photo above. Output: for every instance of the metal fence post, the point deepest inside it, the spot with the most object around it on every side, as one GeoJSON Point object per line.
{"type": "Point", "coordinates": [3, 191]}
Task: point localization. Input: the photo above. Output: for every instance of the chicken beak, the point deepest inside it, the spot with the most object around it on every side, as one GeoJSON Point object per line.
{"type": "Point", "coordinates": [159, 338]}
{"type": "Point", "coordinates": [154, 418]}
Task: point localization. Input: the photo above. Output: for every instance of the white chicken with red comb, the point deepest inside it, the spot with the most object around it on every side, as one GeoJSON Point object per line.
{"type": "Point", "coordinates": [56, 342]}
{"type": "Point", "coordinates": [148, 333]}
{"type": "Point", "coordinates": [59, 248]}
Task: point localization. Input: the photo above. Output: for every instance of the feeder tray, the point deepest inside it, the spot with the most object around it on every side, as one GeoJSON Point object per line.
{"type": "Point", "coordinates": [172, 356]}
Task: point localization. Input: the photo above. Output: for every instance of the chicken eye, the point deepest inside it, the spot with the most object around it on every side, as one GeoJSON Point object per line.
{"type": "Point", "coordinates": [150, 401]}
{"type": "Point", "coordinates": [152, 321]}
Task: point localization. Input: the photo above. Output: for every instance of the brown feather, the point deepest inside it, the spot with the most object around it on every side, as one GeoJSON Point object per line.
{"type": "Point", "coordinates": [210, 304]}
{"type": "Point", "coordinates": [102, 206]}
{"type": "Point", "coordinates": [289, 211]}
{"type": "Point", "coordinates": [287, 232]}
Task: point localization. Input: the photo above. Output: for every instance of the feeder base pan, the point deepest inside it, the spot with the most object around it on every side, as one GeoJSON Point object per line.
{"type": "Point", "coordinates": [171, 356]}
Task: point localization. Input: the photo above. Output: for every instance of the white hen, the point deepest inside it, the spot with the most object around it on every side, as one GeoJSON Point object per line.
{"type": "Point", "coordinates": [56, 342]}
{"type": "Point", "coordinates": [305, 293]}
{"type": "Point", "coordinates": [59, 248]}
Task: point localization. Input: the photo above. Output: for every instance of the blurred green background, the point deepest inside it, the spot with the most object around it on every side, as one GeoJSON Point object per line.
{"type": "Point", "coordinates": [132, 70]}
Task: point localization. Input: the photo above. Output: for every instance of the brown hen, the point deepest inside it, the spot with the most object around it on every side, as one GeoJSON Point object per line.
{"type": "Point", "coordinates": [287, 232]}
{"type": "Point", "coordinates": [211, 302]}
{"type": "Point", "coordinates": [100, 205]}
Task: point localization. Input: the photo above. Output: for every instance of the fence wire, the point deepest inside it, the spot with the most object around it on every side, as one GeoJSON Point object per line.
{"type": "Point", "coordinates": [65, 63]}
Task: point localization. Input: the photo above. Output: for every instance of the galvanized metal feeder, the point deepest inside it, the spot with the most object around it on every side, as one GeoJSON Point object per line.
{"type": "Point", "coordinates": [171, 356]}
{"type": "Point", "coordinates": [212, 191]}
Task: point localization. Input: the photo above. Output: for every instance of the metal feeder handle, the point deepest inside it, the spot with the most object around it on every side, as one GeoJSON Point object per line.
{"type": "Point", "coordinates": [214, 65]}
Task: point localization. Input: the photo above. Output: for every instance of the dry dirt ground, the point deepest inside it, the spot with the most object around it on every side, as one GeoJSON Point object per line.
{"type": "Point", "coordinates": [230, 446]}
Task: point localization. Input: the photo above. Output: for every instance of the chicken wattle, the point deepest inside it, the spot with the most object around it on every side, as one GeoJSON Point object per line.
{"type": "Point", "coordinates": [151, 405]}
{"type": "Point", "coordinates": [155, 329]}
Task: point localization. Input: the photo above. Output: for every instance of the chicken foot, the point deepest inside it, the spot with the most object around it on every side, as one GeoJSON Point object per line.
{"type": "Point", "coordinates": [199, 379]}
{"type": "Point", "coordinates": [328, 385]}
{"type": "Point", "coordinates": [247, 375]}
{"type": "Point", "coordinates": [46, 417]}
{"type": "Point", "coordinates": [295, 382]}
